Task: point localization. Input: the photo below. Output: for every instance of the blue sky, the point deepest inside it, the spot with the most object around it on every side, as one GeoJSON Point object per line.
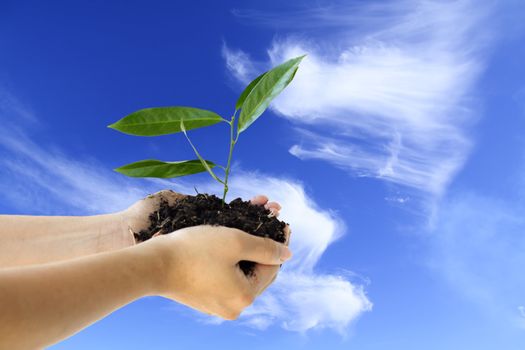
{"type": "Point", "coordinates": [397, 154]}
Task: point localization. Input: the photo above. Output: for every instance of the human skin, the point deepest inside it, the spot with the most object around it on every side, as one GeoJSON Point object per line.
{"type": "Point", "coordinates": [45, 298]}
{"type": "Point", "coordinates": [27, 240]}
{"type": "Point", "coordinates": [43, 304]}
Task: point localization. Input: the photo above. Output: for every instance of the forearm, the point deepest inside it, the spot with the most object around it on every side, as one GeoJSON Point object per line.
{"type": "Point", "coordinates": [46, 303]}
{"type": "Point", "coordinates": [26, 240]}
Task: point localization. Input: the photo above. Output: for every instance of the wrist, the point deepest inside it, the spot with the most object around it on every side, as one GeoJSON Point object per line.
{"type": "Point", "coordinates": [159, 265]}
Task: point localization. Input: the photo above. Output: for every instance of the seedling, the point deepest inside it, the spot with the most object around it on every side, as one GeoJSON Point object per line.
{"type": "Point", "coordinates": [169, 120]}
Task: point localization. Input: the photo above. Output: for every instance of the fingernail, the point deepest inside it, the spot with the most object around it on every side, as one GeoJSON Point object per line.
{"type": "Point", "coordinates": [274, 205]}
{"type": "Point", "coordinates": [286, 253]}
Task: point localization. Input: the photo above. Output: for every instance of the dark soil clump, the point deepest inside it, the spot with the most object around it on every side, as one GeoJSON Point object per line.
{"type": "Point", "coordinates": [204, 209]}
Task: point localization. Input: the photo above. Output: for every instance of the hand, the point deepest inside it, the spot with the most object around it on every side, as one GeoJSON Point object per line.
{"type": "Point", "coordinates": [136, 217]}
{"type": "Point", "coordinates": [268, 273]}
{"type": "Point", "coordinates": [261, 199]}
{"type": "Point", "coordinates": [200, 267]}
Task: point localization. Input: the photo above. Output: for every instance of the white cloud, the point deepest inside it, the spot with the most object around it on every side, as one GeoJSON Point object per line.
{"type": "Point", "coordinates": [238, 63]}
{"type": "Point", "coordinates": [41, 179]}
{"type": "Point", "coordinates": [477, 247]}
{"type": "Point", "coordinates": [384, 92]}
{"type": "Point", "coordinates": [521, 318]}
{"type": "Point", "coordinates": [313, 228]}
{"type": "Point", "coordinates": [301, 299]}
{"type": "Point", "coordinates": [301, 302]}
{"type": "Point", "coordinates": [49, 176]}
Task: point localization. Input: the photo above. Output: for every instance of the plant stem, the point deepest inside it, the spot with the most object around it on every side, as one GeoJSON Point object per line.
{"type": "Point", "coordinates": [208, 169]}
{"type": "Point", "coordinates": [228, 165]}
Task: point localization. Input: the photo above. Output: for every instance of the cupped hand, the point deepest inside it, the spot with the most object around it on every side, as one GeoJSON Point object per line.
{"type": "Point", "coordinates": [136, 217]}
{"type": "Point", "coordinates": [200, 267]}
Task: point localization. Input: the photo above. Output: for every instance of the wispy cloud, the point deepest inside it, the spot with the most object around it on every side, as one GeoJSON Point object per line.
{"type": "Point", "coordinates": [46, 180]}
{"type": "Point", "coordinates": [478, 247]}
{"type": "Point", "coordinates": [238, 63]}
{"type": "Point", "coordinates": [385, 89]}
{"type": "Point", "coordinates": [302, 299]}
{"type": "Point", "coordinates": [54, 181]}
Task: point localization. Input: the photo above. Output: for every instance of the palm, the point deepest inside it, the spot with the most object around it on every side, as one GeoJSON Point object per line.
{"type": "Point", "coordinates": [137, 219]}
{"type": "Point", "coordinates": [137, 215]}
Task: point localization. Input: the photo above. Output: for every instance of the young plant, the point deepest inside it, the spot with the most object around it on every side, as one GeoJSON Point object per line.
{"type": "Point", "coordinates": [169, 120]}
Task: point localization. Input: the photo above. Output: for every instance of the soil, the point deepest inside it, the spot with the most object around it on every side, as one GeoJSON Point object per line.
{"type": "Point", "coordinates": [205, 209]}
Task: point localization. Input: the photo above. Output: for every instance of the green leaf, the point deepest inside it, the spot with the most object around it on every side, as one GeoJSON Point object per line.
{"type": "Point", "coordinates": [247, 91]}
{"type": "Point", "coordinates": [165, 170]}
{"type": "Point", "coordinates": [271, 84]}
{"type": "Point", "coordinates": [164, 120]}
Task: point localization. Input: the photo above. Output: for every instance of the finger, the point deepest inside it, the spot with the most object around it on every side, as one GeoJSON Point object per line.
{"type": "Point", "coordinates": [287, 233]}
{"type": "Point", "coordinates": [274, 205]}
{"type": "Point", "coordinates": [260, 199]}
{"type": "Point", "coordinates": [265, 275]}
{"type": "Point", "coordinates": [261, 269]}
{"type": "Point", "coordinates": [171, 196]}
{"type": "Point", "coordinates": [263, 250]}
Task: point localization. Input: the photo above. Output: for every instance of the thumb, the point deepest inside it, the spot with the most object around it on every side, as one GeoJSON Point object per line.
{"type": "Point", "coordinates": [263, 250]}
